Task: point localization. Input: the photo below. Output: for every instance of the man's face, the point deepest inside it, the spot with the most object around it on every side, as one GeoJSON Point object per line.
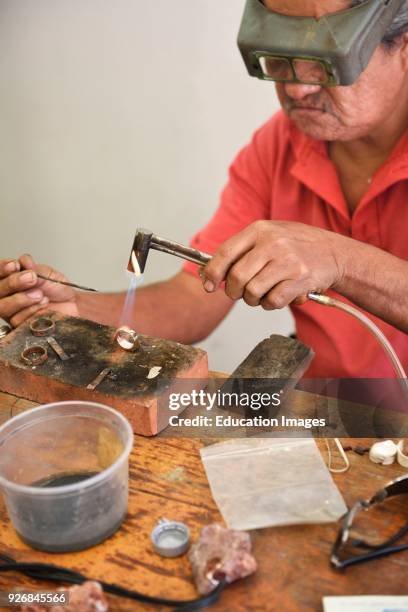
{"type": "Point", "coordinates": [342, 113]}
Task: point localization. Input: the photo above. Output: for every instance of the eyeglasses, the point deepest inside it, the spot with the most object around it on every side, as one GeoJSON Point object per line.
{"type": "Point", "coordinates": [366, 551]}
{"type": "Point", "coordinates": [295, 70]}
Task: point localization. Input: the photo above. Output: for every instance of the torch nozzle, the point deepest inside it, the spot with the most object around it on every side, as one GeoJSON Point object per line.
{"type": "Point", "coordinates": [146, 240]}
{"type": "Point", "coordinates": [140, 251]}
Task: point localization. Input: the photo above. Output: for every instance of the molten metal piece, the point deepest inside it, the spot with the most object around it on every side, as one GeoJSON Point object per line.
{"type": "Point", "coordinates": [126, 338]}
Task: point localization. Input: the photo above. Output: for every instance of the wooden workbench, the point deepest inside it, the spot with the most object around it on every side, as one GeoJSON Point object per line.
{"type": "Point", "coordinates": [167, 480]}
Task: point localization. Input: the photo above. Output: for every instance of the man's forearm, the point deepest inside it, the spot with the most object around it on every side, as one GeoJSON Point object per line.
{"type": "Point", "coordinates": [376, 281]}
{"type": "Point", "coordinates": [177, 309]}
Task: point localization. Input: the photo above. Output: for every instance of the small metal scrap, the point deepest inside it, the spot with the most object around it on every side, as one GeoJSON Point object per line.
{"type": "Point", "coordinates": [97, 381]}
{"type": "Point", "coordinates": [4, 330]}
{"type": "Point", "coordinates": [154, 372]}
{"type": "Point", "coordinates": [34, 355]}
{"type": "Point", "coordinates": [42, 326]}
{"type": "Point", "coordinates": [170, 538]}
{"type": "Point", "coordinates": [57, 348]}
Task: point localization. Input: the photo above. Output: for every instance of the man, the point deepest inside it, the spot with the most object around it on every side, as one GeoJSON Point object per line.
{"type": "Point", "coordinates": [316, 202]}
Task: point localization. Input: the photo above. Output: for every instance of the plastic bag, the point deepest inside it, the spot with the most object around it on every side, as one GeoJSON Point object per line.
{"type": "Point", "coordinates": [268, 482]}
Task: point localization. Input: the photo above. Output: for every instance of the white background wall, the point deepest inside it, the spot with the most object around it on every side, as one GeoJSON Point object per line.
{"type": "Point", "coordinates": [121, 113]}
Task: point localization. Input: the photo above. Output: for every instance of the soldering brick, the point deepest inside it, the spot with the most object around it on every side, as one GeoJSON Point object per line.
{"type": "Point", "coordinates": [92, 348]}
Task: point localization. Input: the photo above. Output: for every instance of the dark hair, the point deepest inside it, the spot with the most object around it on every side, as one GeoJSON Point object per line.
{"type": "Point", "coordinates": [398, 27]}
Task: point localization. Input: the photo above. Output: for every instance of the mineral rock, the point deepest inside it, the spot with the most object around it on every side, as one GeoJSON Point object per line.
{"type": "Point", "coordinates": [87, 597]}
{"type": "Point", "coordinates": [220, 554]}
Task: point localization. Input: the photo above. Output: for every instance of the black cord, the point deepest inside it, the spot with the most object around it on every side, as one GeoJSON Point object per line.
{"type": "Point", "coordinates": [387, 544]}
{"type": "Point", "coordinates": [55, 573]}
{"type": "Point", "coordinates": [371, 556]}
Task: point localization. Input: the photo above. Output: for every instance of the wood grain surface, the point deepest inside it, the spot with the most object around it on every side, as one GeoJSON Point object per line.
{"type": "Point", "coordinates": [167, 480]}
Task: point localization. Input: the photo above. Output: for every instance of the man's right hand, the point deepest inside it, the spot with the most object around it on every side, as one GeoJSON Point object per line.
{"type": "Point", "coordinates": [22, 293]}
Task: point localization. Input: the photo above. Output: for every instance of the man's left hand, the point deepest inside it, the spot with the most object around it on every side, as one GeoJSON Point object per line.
{"type": "Point", "coordinates": [276, 263]}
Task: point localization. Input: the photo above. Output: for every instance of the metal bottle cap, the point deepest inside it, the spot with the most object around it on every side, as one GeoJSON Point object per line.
{"type": "Point", "coordinates": [170, 538]}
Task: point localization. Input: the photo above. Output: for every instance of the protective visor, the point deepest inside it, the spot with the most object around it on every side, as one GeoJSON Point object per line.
{"type": "Point", "coordinates": [332, 50]}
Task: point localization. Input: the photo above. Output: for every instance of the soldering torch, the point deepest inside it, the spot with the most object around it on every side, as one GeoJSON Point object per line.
{"type": "Point", "coordinates": [146, 240]}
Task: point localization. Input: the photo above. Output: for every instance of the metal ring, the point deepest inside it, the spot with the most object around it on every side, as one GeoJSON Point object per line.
{"type": "Point", "coordinates": [42, 326]}
{"type": "Point", "coordinates": [126, 338]}
{"type": "Point", "coordinates": [34, 355]}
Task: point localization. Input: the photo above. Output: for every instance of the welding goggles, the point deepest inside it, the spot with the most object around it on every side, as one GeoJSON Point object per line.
{"type": "Point", "coordinates": [332, 50]}
{"type": "Point", "coordinates": [360, 549]}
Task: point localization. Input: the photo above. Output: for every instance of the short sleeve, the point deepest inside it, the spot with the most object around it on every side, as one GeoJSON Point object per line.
{"type": "Point", "coordinates": [247, 195]}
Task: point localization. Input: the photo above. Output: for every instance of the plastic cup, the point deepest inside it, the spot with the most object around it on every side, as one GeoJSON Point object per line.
{"type": "Point", "coordinates": [64, 474]}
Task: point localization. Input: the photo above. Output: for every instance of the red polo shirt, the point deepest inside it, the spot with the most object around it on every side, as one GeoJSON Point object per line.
{"type": "Point", "coordinates": [284, 175]}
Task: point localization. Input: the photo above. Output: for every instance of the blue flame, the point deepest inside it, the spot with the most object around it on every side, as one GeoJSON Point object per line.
{"type": "Point", "coordinates": [128, 313]}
